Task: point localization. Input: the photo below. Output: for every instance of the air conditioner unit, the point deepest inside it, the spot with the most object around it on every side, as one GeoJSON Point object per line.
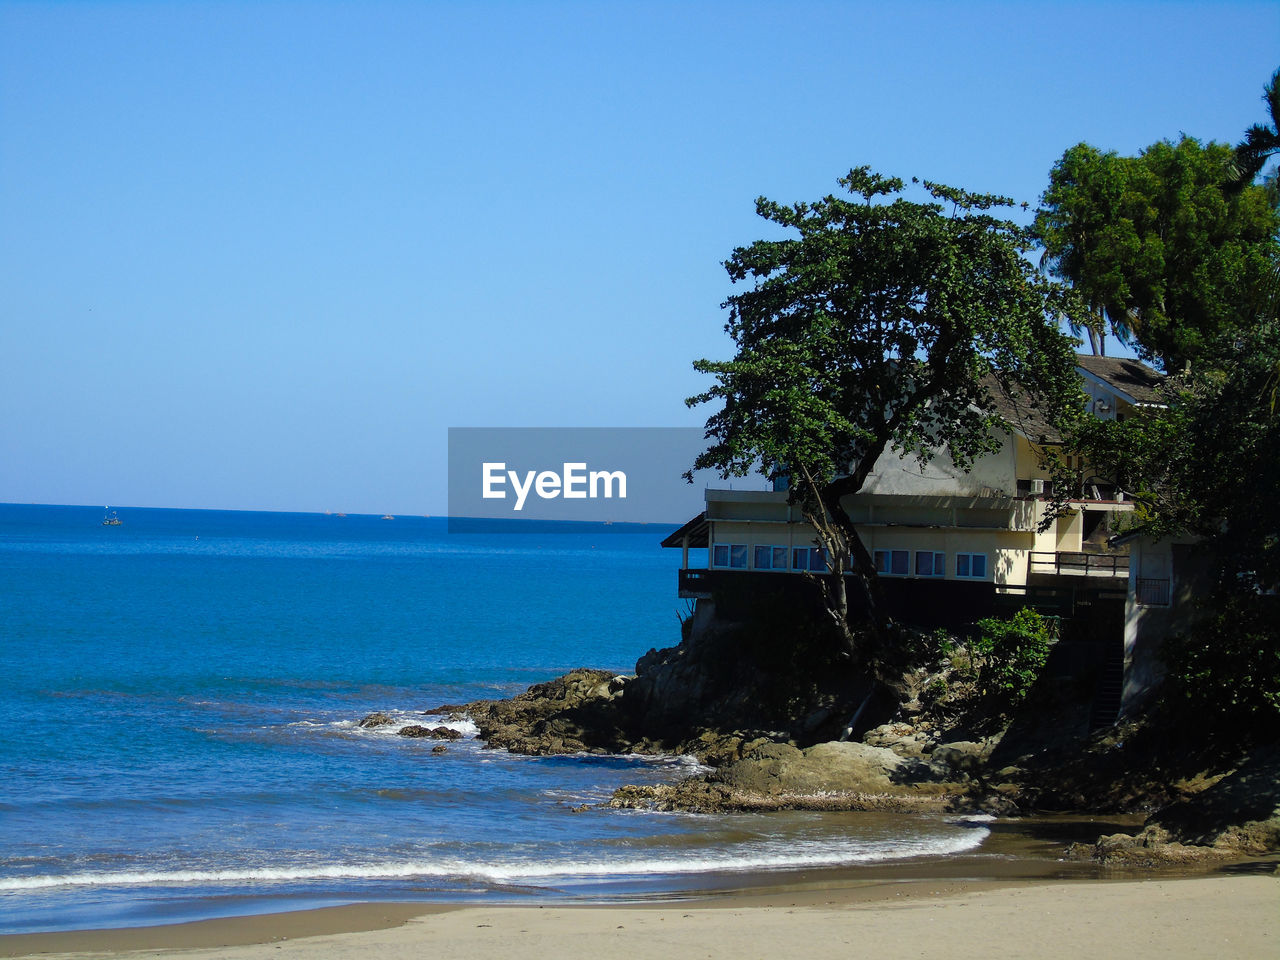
{"type": "Point", "coordinates": [1037, 488]}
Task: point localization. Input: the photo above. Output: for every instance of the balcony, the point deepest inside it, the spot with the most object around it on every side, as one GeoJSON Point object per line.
{"type": "Point", "coordinates": [1079, 564]}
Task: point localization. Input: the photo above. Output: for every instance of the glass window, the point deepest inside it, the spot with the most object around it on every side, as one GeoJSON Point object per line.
{"type": "Point", "coordinates": [930, 563]}
{"type": "Point", "coordinates": [720, 555]}
{"type": "Point", "coordinates": [779, 558]}
{"type": "Point", "coordinates": [738, 555]}
{"type": "Point", "coordinates": [882, 561]}
{"type": "Point", "coordinates": [971, 565]}
{"type": "Point", "coordinates": [817, 559]}
{"type": "Point", "coordinates": [900, 563]}
{"type": "Point", "coordinates": [979, 566]}
{"type": "Point", "coordinates": [763, 558]}
{"type": "Point", "coordinates": [962, 564]}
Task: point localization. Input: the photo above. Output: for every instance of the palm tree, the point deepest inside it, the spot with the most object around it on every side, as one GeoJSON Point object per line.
{"type": "Point", "coordinates": [1260, 142]}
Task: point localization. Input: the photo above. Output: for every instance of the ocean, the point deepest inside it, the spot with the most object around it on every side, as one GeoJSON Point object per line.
{"type": "Point", "coordinates": [179, 707]}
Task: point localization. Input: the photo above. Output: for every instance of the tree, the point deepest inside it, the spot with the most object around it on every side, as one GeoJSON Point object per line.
{"type": "Point", "coordinates": [1157, 245]}
{"type": "Point", "coordinates": [882, 323]}
{"type": "Point", "coordinates": [1261, 142]}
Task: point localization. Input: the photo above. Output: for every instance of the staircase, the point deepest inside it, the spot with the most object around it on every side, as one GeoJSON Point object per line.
{"type": "Point", "coordinates": [1110, 689]}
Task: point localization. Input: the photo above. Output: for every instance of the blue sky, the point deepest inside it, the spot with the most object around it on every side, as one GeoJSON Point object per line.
{"type": "Point", "coordinates": [263, 255]}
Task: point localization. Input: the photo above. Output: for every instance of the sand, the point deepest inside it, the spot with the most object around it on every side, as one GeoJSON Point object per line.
{"type": "Point", "coordinates": [1217, 916]}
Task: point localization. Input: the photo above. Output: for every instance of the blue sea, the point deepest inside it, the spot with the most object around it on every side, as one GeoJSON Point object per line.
{"type": "Point", "coordinates": [179, 707]}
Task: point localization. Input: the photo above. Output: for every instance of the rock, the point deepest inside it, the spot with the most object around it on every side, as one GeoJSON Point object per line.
{"type": "Point", "coordinates": [825, 768]}
{"type": "Point", "coordinates": [433, 733]}
{"type": "Point", "coordinates": [902, 738]}
{"type": "Point", "coordinates": [439, 748]}
{"type": "Point", "coordinates": [376, 720]}
{"type": "Point", "coordinates": [963, 757]}
{"type": "Point", "coordinates": [1240, 812]}
{"type": "Point", "coordinates": [1151, 848]}
{"type": "Point", "coordinates": [575, 713]}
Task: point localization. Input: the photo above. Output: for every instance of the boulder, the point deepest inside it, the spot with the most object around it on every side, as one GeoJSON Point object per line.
{"type": "Point", "coordinates": [833, 767]}
{"type": "Point", "coordinates": [378, 719]}
{"type": "Point", "coordinates": [431, 733]}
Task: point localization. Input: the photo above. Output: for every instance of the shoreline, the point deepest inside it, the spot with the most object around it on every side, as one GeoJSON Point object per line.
{"type": "Point", "coordinates": [1221, 914]}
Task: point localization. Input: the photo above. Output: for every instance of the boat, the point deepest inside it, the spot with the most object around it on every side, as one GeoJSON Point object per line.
{"type": "Point", "coordinates": [387, 516]}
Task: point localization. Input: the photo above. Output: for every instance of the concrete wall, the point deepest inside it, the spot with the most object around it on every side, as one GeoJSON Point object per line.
{"type": "Point", "coordinates": [1148, 627]}
{"type": "Point", "coordinates": [896, 474]}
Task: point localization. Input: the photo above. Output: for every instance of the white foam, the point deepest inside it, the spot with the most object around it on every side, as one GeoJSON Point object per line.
{"type": "Point", "coordinates": [399, 720]}
{"type": "Point", "coordinates": [776, 856]}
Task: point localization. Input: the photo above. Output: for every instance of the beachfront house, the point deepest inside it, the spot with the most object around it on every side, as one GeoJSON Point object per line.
{"type": "Point", "coordinates": [949, 545]}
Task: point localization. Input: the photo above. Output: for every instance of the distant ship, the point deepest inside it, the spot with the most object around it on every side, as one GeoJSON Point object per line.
{"type": "Point", "coordinates": [387, 516]}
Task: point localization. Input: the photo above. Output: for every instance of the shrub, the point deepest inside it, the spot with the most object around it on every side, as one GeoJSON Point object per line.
{"type": "Point", "coordinates": [1012, 654]}
{"type": "Point", "coordinates": [1227, 669]}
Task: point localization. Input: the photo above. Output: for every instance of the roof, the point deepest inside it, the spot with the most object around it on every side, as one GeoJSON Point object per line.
{"type": "Point", "coordinates": [696, 530]}
{"type": "Point", "coordinates": [1133, 379]}
{"type": "Point", "coordinates": [1017, 410]}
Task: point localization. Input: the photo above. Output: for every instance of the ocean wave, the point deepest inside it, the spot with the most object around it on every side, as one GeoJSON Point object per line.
{"type": "Point", "coordinates": [399, 720]}
{"type": "Point", "coordinates": [772, 857]}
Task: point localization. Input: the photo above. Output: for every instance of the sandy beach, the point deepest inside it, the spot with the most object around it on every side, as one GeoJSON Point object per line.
{"type": "Point", "coordinates": [1218, 916]}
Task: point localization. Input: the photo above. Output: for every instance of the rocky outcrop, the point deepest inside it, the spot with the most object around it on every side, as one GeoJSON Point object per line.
{"type": "Point", "coordinates": [1153, 847]}
{"type": "Point", "coordinates": [726, 686]}
{"type": "Point", "coordinates": [376, 720]}
{"type": "Point", "coordinates": [826, 776]}
{"type": "Point", "coordinates": [771, 674]}
{"type": "Point", "coordinates": [430, 733]}
{"type": "Point", "coordinates": [575, 713]}
{"type": "Point", "coordinates": [1239, 813]}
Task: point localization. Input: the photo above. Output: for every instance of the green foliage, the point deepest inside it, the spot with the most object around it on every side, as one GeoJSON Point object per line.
{"type": "Point", "coordinates": [1012, 652]}
{"type": "Point", "coordinates": [875, 326]}
{"type": "Point", "coordinates": [1228, 668]}
{"type": "Point", "coordinates": [1261, 141]}
{"type": "Point", "coordinates": [1161, 245]}
{"type": "Point", "coordinates": [881, 322]}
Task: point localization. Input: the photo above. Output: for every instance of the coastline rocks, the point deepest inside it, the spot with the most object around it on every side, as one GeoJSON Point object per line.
{"type": "Point", "coordinates": [1239, 813]}
{"type": "Point", "coordinates": [378, 719]}
{"type": "Point", "coordinates": [836, 775]}
{"type": "Point", "coordinates": [575, 713]}
{"type": "Point", "coordinates": [1153, 847]}
{"type": "Point", "coordinates": [433, 733]}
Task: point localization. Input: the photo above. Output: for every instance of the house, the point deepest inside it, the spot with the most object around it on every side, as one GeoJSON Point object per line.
{"type": "Point", "coordinates": [948, 544]}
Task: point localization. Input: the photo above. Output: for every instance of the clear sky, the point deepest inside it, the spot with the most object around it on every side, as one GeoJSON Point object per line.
{"type": "Point", "coordinates": [262, 255]}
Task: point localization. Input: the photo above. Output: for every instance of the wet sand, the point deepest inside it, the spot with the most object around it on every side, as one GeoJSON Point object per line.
{"type": "Point", "coordinates": [1220, 916]}
{"type": "Point", "coordinates": [1016, 896]}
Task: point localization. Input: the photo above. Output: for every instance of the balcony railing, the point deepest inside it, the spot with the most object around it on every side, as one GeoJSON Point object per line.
{"type": "Point", "coordinates": [1153, 592]}
{"type": "Point", "coordinates": [1079, 564]}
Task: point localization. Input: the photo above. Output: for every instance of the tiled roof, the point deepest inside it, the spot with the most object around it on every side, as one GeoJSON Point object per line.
{"type": "Point", "coordinates": [1016, 409]}
{"type": "Point", "coordinates": [1131, 377]}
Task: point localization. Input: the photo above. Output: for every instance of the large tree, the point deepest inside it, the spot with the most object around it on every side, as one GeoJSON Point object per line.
{"type": "Point", "coordinates": [880, 323]}
{"type": "Point", "coordinates": [1159, 246]}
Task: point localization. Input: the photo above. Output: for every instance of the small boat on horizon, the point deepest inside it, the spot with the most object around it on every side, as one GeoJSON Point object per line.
{"type": "Point", "coordinates": [387, 516]}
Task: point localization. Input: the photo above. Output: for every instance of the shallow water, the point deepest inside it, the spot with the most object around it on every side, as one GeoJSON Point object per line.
{"type": "Point", "coordinates": [179, 697]}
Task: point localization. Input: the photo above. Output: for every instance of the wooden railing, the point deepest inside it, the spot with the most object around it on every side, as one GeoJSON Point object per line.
{"type": "Point", "coordinates": [1079, 564]}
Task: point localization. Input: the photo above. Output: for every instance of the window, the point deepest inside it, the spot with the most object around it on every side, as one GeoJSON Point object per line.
{"type": "Point", "coordinates": [930, 563]}
{"type": "Point", "coordinates": [771, 558]}
{"type": "Point", "coordinates": [809, 558]}
{"type": "Point", "coordinates": [732, 555]}
{"type": "Point", "coordinates": [971, 565]}
{"type": "Point", "coordinates": [894, 563]}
